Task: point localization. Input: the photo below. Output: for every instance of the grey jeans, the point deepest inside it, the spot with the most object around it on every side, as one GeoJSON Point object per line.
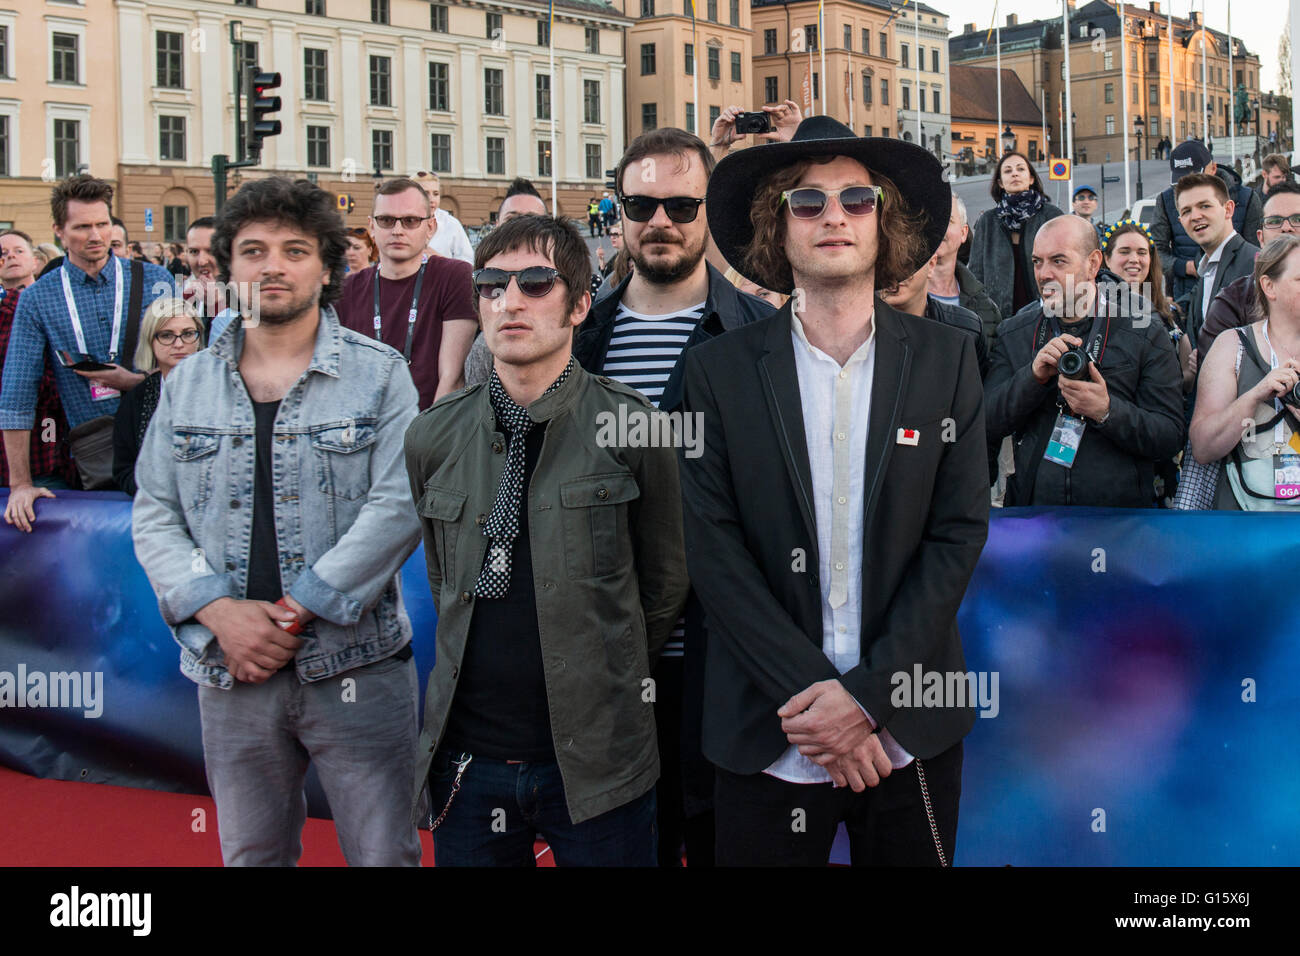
{"type": "Point", "coordinates": [359, 728]}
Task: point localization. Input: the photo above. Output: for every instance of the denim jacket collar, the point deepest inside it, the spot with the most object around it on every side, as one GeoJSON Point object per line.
{"type": "Point", "coordinates": [324, 357]}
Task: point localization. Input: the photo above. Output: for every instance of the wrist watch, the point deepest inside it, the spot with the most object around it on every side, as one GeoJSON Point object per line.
{"type": "Point", "coordinates": [1102, 420]}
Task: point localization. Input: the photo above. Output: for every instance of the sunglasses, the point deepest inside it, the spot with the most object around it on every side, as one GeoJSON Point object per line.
{"type": "Point", "coordinates": [809, 203]}
{"type": "Point", "coordinates": [1275, 222]}
{"type": "Point", "coordinates": [535, 281]}
{"type": "Point", "coordinates": [168, 337]}
{"type": "Point", "coordinates": [678, 208]}
{"type": "Point", "coordinates": [408, 222]}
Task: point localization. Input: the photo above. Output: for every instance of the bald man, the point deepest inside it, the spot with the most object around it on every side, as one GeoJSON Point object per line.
{"type": "Point", "coordinates": [1088, 436]}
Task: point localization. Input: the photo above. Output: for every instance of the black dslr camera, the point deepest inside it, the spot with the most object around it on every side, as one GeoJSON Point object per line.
{"type": "Point", "coordinates": [759, 122]}
{"type": "Point", "coordinates": [1074, 364]}
{"type": "Point", "coordinates": [1292, 398]}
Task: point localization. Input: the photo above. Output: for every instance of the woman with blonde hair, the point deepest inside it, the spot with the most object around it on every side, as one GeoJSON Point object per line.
{"type": "Point", "coordinates": [170, 331]}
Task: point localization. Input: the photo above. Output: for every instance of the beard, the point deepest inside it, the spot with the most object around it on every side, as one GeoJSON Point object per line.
{"type": "Point", "coordinates": [660, 273]}
{"type": "Point", "coordinates": [283, 312]}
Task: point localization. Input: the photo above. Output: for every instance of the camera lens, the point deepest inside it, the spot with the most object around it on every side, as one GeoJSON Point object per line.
{"type": "Point", "coordinates": [1072, 364]}
{"type": "Point", "coordinates": [1292, 397]}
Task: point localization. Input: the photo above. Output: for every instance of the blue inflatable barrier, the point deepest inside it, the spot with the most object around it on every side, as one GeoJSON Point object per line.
{"type": "Point", "coordinates": [1136, 669]}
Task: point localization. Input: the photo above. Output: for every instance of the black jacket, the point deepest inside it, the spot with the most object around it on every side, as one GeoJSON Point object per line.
{"type": "Point", "coordinates": [1177, 248]}
{"type": "Point", "coordinates": [973, 296]}
{"type": "Point", "coordinates": [725, 308]}
{"type": "Point", "coordinates": [992, 254]}
{"type": "Point", "coordinates": [748, 510]}
{"type": "Point", "coordinates": [964, 319]}
{"type": "Point", "coordinates": [129, 425]}
{"type": "Point", "coordinates": [1114, 466]}
{"type": "Point", "coordinates": [1238, 260]}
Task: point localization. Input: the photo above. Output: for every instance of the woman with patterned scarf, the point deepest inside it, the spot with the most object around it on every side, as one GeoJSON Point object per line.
{"type": "Point", "coordinates": [1003, 239]}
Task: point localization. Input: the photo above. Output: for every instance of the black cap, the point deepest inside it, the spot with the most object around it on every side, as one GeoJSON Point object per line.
{"type": "Point", "coordinates": [1188, 157]}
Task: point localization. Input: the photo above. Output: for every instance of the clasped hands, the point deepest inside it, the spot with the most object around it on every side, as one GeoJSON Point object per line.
{"type": "Point", "coordinates": [829, 728]}
{"type": "Point", "coordinates": [254, 644]}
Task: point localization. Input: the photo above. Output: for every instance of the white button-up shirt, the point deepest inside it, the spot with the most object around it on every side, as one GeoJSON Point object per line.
{"type": "Point", "coordinates": [451, 240]}
{"type": "Point", "coordinates": [836, 416]}
{"type": "Point", "coordinates": [1207, 268]}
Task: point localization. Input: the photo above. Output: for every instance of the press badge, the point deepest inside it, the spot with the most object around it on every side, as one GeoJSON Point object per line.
{"type": "Point", "coordinates": [1066, 435]}
{"type": "Point", "coordinates": [1286, 475]}
{"type": "Point", "coordinates": [99, 393]}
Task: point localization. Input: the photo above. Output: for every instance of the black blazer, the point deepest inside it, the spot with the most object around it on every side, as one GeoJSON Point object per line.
{"type": "Point", "coordinates": [1238, 260]}
{"type": "Point", "coordinates": [750, 516]}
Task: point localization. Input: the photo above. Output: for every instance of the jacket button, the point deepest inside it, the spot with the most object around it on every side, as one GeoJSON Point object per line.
{"type": "Point", "coordinates": [234, 502]}
{"type": "Point", "coordinates": [568, 744]}
{"type": "Point", "coordinates": [603, 380]}
{"type": "Point", "coordinates": [602, 494]}
{"type": "Point", "coordinates": [230, 565]}
{"type": "Point", "coordinates": [497, 447]}
{"type": "Point", "coordinates": [236, 441]}
{"type": "Point", "coordinates": [481, 520]}
{"type": "Point", "coordinates": [465, 597]}
{"type": "Point", "coordinates": [454, 672]}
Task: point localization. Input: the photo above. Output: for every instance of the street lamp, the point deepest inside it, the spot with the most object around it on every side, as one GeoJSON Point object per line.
{"type": "Point", "coordinates": [1139, 128]}
{"type": "Point", "coordinates": [1008, 140]}
{"type": "Point", "coordinates": [1074, 137]}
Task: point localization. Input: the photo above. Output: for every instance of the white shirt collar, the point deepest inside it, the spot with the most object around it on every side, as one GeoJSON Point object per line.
{"type": "Point", "coordinates": [859, 355]}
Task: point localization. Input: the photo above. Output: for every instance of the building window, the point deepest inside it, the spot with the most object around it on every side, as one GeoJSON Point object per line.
{"type": "Point", "coordinates": [591, 101]}
{"type": "Point", "coordinates": [171, 138]}
{"type": "Point", "coordinates": [934, 60]}
{"type": "Point", "coordinates": [593, 39]}
{"type": "Point", "coordinates": [1153, 95]}
{"type": "Point", "coordinates": [904, 55]}
{"type": "Point", "coordinates": [543, 32]}
{"type": "Point", "coordinates": [769, 42]}
{"type": "Point", "coordinates": [715, 63]}
{"type": "Point", "coordinates": [1110, 124]}
{"type": "Point", "coordinates": [649, 117]}
{"type": "Point", "coordinates": [496, 156]}
{"type": "Point", "coordinates": [866, 130]}
{"type": "Point", "coordinates": [690, 118]}
{"type": "Point", "coordinates": [884, 131]}
{"type": "Point", "coordinates": [907, 97]}
{"type": "Point", "coordinates": [810, 36]}
{"type": "Point", "coordinates": [171, 59]}
{"type": "Point", "coordinates": [1108, 92]}
{"type": "Point", "coordinates": [378, 11]}
{"type": "Point", "coordinates": [1182, 99]}
{"type": "Point", "coordinates": [67, 147]}
{"type": "Point", "coordinates": [866, 92]}
{"type": "Point", "coordinates": [439, 87]}
{"type": "Point", "coordinates": [647, 8]}
{"type": "Point", "coordinates": [245, 3]}
{"type": "Point", "coordinates": [4, 51]}
{"type": "Point", "coordinates": [440, 152]}
{"type": "Point", "coordinates": [595, 168]}
{"type": "Point", "coordinates": [381, 149]}
{"type": "Point", "coordinates": [543, 157]}
{"type": "Point", "coordinates": [884, 46]}
{"type": "Point", "coordinates": [314, 8]}
{"type": "Point", "coordinates": [494, 92]}
{"type": "Point", "coordinates": [381, 93]}
{"type": "Point", "coordinates": [647, 59]}
{"type": "Point", "coordinates": [848, 37]}
{"type": "Point", "coordinates": [937, 109]}
{"type": "Point", "coordinates": [690, 59]}
{"type": "Point", "coordinates": [176, 222]}
{"type": "Point", "coordinates": [315, 74]}
{"type": "Point", "coordinates": [735, 13]}
{"type": "Point", "coordinates": [1153, 65]}
{"type": "Point", "coordinates": [64, 57]}
{"type": "Point", "coordinates": [438, 18]}
{"type": "Point", "coordinates": [318, 146]}
{"type": "Point", "coordinates": [1108, 60]}
{"type": "Point", "coordinates": [713, 11]}
{"type": "Point", "coordinates": [1136, 97]}
{"type": "Point", "coordinates": [493, 26]}
{"type": "Point", "coordinates": [543, 96]}
{"type": "Point", "coordinates": [817, 89]}
{"type": "Point", "coordinates": [4, 145]}
{"type": "Point", "coordinates": [770, 90]}
{"type": "Point", "coordinates": [884, 99]}
{"type": "Point", "coordinates": [866, 41]}
{"type": "Point", "coordinates": [920, 60]}
{"type": "Point", "coordinates": [714, 113]}
{"type": "Point", "coordinates": [735, 67]}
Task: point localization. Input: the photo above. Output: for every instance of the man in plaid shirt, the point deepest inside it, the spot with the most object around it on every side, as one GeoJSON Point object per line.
{"type": "Point", "coordinates": [50, 465]}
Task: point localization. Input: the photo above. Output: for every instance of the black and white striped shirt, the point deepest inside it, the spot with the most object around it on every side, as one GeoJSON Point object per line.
{"type": "Point", "coordinates": [642, 352]}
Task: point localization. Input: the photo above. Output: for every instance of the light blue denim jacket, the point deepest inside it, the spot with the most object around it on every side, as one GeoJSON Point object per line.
{"type": "Point", "coordinates": [343, 516]}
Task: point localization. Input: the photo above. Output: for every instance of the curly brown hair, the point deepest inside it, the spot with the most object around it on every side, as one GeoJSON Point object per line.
{"type": "Point", "coordinates": [901, 249]}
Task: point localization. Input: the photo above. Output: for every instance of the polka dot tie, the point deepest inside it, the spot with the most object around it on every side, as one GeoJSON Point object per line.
{"type": "Point", "coordinates": [502, 526]}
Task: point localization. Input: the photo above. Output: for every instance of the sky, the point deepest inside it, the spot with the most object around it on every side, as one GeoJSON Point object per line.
{"type": "Point", "coordinates": [1257, 23]}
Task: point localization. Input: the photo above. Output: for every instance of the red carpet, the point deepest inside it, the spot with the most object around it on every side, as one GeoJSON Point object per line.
{"type": "Point", "coordinates": [60, 823]}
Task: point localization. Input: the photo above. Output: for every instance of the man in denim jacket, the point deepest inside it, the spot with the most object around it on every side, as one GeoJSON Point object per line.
{"type": "Point", "coordinates": [272, 520]}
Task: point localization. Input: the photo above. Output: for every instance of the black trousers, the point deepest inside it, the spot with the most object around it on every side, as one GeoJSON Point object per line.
{"type": "Point", "coordinates": [765, 821]}
{"type": "Point", "coordinates": [677, 827]}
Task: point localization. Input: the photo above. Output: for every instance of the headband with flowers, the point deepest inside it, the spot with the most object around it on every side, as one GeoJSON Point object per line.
{"type": "Point", "coordinates": [1112, 229]}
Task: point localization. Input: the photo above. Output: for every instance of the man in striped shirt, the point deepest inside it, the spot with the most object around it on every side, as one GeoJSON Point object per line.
{"type": "Point", "coordinates": [639, 334]}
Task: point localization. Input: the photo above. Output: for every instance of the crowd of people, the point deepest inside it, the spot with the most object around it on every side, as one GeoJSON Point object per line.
{"type": "Point", "coordinates": [643, 646]}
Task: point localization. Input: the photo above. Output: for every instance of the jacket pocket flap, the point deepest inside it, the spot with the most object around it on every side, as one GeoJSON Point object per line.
{"type": "Point", "coordinates": [441, 504]}
{"type": "Point", "coordinates": [599, 490]}
{"type": "Point", "coordinates": [186, 446]}
{"type": "Point", "coordinates": [344, 438]}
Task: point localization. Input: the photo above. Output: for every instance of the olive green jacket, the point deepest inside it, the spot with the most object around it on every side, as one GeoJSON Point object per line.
{"type": "Point", "coordinates": [609, 572]}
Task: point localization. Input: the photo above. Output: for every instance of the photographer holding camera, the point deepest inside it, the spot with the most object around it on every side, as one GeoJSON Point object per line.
{"type": "Point", "coordinates": [1085, 380]}
{"type": "Point", "coordinates": [1249, 394]}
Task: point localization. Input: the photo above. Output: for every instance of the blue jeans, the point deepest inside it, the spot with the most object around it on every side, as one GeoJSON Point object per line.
{"type": "Point", "coordinates": [501, 809]}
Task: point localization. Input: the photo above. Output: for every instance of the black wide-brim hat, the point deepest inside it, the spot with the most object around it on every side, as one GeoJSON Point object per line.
{"type": "Point", "coordinates": [917, 174]}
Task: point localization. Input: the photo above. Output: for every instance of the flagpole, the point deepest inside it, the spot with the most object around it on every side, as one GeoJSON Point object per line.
{"type": "Point", "coordinates": [695, 70]}
{"type": "Point", "coordinates": [1169, 32]}
{"type": "Point", "coordinates": [812, 100]}
{"type": "Point", "coordinates": [1126, 129]}
{"type": "Point", "coordinates": [550, 42]}
{"type": "Point", "coordinates": [1205, 104]}
{"type": "Point", "coordinates": [1069, 99]}
{"type": "Point", "coordinates": [849, 85]}
{"type": "Point", "coordinates": [997, 46]}
{"type": "Point", "coordinates": [821, 42]}
{"type": "Point", "coordinates": [1232, 97]}
{"type": "Point", "coordinates": [916, 75]}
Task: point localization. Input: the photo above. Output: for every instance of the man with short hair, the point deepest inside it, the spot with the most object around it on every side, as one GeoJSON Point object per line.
{"type": "Point", "coordinates": [555, 560]}
{"type": "Point", "coordinates": [911, 296]}
{"type": "Point", "coordinates": [203, 287]}
{"type": "Point", "coordinates": [640, 333]}
{"type": "Point", "coordinates": [447, 237]}
{"type": "Point", "coordinates": [952, 283]}
{"type": "Point", "coordinates": [1277, 170]}
{"type": "Point", "coordinates": [1205, 214]}
{"type": "Point", "coordinates": [1179, 252]}
{"type": "Point", "coordinates": [823, 579]}
{"type": "Point", "coordinates": [121, 244]}
{"type": "Point", "coordinates": [521, 199]}
{"type": "Point", "coordinates": [272, 521]}
{"type": "Point", "coordinates": [420, 305]}
{"type": "Point", "coordinates": [1090, 439]}
{"type": "Point", "coordinates": [50, 466]}
{"type": "Point", "coordinates": [86, 307]}
{"type": "Point", "coordinates": [1234, 304]}
{"type": "Point", "coordinates": [1084, 205]}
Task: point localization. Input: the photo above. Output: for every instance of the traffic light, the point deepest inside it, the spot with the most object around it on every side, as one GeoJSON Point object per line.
{"type": "Point", "coordinates": [261, 104]}
{"type": "Point", "coordinates": [609, 180]}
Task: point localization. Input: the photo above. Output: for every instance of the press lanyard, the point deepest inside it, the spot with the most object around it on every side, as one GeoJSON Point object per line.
{"type": "Point", "coordinates": [410, 316]}
{"type": "Point", "coordinates": [76, 318]}
{"type": "Point", "coordinates": [1278, 430]}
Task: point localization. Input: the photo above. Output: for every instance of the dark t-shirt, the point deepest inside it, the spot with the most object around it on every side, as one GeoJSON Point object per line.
{"type": "Point", "coordinates": [446, 295]}
{"type": "Point", "coordinates": [500, 709]}
{"type": "Point", "coordinates": [263, 550]}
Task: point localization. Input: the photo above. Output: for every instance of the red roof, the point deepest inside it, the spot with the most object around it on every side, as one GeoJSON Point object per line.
{"type": "Point", "coordinates": [975, 96]}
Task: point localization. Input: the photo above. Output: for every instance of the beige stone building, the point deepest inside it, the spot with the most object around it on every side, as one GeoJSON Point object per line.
{"type": "Point", "coordinates": [58, 103]}
{"type": "Point", "coordinates": [860, 49]}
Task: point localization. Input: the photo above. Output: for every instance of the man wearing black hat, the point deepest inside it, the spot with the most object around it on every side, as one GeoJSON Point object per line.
{"type": "Point", "coordinates": [836, 511]}
{"type": "Point", "coordinates": [1179, 251]}
{"type": "Point", "coordinates": [1084, 205]}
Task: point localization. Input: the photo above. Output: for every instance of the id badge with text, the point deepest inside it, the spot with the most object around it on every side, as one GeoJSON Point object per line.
{"type": "Point", "coordinates": [1067, 432]}
{"type": "Point", "coordinates": [1286, 475]}
{"type": "Point", "coordinates": [100, 393]}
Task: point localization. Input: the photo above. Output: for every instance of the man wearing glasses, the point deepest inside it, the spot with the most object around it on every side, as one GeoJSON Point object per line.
{"type": "Point", "coordinates": [639, 334]}
{"type": "Point", "coordinates": [556, 566]}
{"type": "Point", "coordinates": [837, 511]}
{"type": "Point", "coordinates": [420, 305]}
